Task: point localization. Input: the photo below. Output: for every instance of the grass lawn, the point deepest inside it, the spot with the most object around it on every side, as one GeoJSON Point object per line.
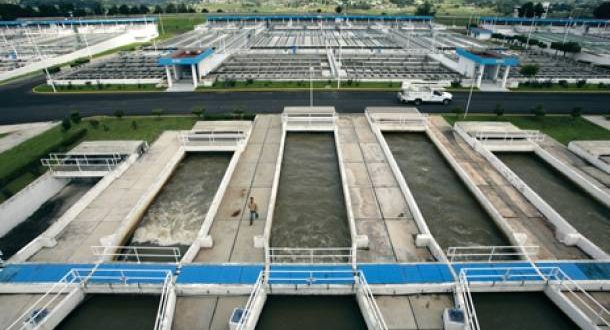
{"type": "Point", "coordinates": [562, 128]}
{"type": "Point", "coordinates": [171, 25]}
{"type": "Point", "coordinates": [109, 128]}
{"type": "Point", "coordinates": [567, 88]}
{"type": "Point", "coordinates": [258, 84]}
{"type": "Point", "coordinates": [44, 88]}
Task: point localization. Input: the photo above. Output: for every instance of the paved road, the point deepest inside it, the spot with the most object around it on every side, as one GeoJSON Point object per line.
{"type": "Point", "coordinates": [19, 104]}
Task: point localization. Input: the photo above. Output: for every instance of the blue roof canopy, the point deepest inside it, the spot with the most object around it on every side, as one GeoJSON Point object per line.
{"type": "Point", "coordinates": [491, 59]}
{"type": "Point", "coordinates": [317, 17]}
{"type": "Point", "coordinates": [182, 58]}
{"type": "Point", "coordinates": [79, 21]}
{"type": "Point", "coordinates": [479, 30]}
{"type": "Point", "coordinates": [543, 21]}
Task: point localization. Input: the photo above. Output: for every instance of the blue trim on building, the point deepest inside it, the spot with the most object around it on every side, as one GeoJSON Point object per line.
{"type": "Point", "coordinates": [543, 21]}
{"type": "Point", "coordinates": [479, 30]}
{"type": "Point", "coordinates": [79, 22]}
{"type": "Point", "coordinates": [186, 60]}
{"type": "Point", "coordinates": [508, 60]}
{"type": "Point", "coordinates": [318, 17]}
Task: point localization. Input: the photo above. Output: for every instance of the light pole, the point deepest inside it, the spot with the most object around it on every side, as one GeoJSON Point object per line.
{"type": "Point", "coordinates": [311, 86]}
{"type": "Point", "coordinates": [475, 76]}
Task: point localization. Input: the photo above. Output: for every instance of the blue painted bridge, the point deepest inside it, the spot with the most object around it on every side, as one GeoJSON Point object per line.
{"type": "Point", "coordinates": [231, 274]}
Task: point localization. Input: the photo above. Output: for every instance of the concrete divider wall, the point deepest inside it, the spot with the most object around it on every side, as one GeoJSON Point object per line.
{"type": "Point", "coordinates": [358, 241]}
{"type": "Point", "coordinates": [574, 176]}
{"type": "Point", "coordinates": [48, 238]}
{"type": "Point", "coordinates": [203, 238]}
{"type": "Point", "coordinates": [432, 245]}
{"type": "Point", "coordinates": [569, 308]}
{"type": "Point", "coordinates": [479, 195]}
{"type": "Point", "coordinates": [63, 309]}
{"type": "Point", "coordinates": [256, 309]}
{"type": "Point", "coordinates": [564, 231]}
{"type": "Point", "coordinates": [170, 309]}
{"type": "Point", "coordinates": [274, 189]}
{"type": "Point", "coordinates": [23, 204]}
{"type": "Point", "coordinates": [134, 216]}
{"type": "Point", "coordinates": [592, 159]}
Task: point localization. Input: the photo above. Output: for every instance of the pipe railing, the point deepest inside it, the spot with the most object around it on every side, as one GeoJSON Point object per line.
{"type": "Point", "coordinates": [529, 135]}
{"type": "Point", "coordinates": [371, 302]}
{"type": "Point", "coordinates": [213, 138]}
{"type": "Point", "coordinates": [279, 255]}
{"type": "Point", "coordinates": [139, 253]}
{"type": "Point", "coordinates": [81, 162]}
{"type": "Point", "coordinates": [254, 295]}
{"type": "Point", "coordinates": [309, 119]}
{"type": "Point", "coordinates": [311, 277]}
{"type": "Point", "coordinates": [488, 253]}
{"type": "Point", "coordinates": [168, 286]}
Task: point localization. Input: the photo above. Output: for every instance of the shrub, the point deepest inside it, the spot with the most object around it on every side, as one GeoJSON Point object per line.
{"type": "Point", "coordinates": [563, 83]}
{"type": "Point", "coordinates": [105, 128]}
{"type": "Point", "coordinates": [94, 123]}
{"type": "Point", "coordinates": [75, 117]}
{"type": "Point", "coordinates": [456, 83]}
{"type": "Point", "coordinates": [134, 124]}
{"type": "Point", "coordinates": [538, 111]}
{"type": "Point", "coordinates": [581, 83]}
{"type": "Point", "coordinates": [457, 111]}
{"type": "Point", "coordinates": [158, 112]}
{"type": "Point", "coordinates": [499, 110]}
{"type": "Point", "coordinates": [119, 114]}
{"type": "Point", "coordinates": [66, 124]}
{"type": "Point", "coordinates": [576, 112]}
{"type": "Point", "coordinates": [601, 85]}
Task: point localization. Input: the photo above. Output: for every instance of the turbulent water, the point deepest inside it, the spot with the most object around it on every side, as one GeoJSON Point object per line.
{"type": "Point", "coordinates": [310, 209]}
{"type": "Point", "coordinates": [44, 217]}
{"type": "Point", "coordinates": [453, 214]}
{"type": "Point", "coordinates": [580, 209]}
{"type": "Point", "coordinates": [175, 216]}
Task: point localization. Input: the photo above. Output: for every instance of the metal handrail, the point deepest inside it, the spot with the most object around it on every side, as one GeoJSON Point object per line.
{"type": "Point", "coordinates": [370, 299]}
{"type": "Point", "coordinates": [118, 251]}
{"type": "Point", "coordinates": [529, 135]}
{"type": "Point", "coordinates": [472, 321]}
{"type": "Point", "coordinates": [167, 287]}
{"type": "Point", "coordinates": [256, 291]}
{"type": "Point", "coordinates": [311, 277]}
{"type": "Point", "coordinates": [212, 137]}
{"type": "Point", "coordinates": [310, 255]}
{"type": "Point", "coordinates": [81, 161]}
{"type": "Point", "coordinates": [479, 252]}
{"type": "Point", "coordinates": [309, 118]}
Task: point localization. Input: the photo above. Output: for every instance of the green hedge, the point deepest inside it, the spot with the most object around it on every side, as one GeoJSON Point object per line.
{"type": "Point", "coordinates": [33, 164]}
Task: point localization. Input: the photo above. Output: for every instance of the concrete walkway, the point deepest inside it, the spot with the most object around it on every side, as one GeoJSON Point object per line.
{"type": "Point", "coordinates": [104, 215]}
{"type": "Point", "coordinates": [521, 215]}
{"type": "Point", "coordinates": [591, 173]}
{"type": "Point", "coordinates": [378, 204]}
{"type": "Point", "coordinates": [205, 312]}
{"type": "Point", "coordinates": [22, 132]}
{"type": "Point", "coordinates": [414, 312]}
{"type": "Point", "coordinates": [599, 121]}
{"type": "Point", "coordinates": [231, 231]}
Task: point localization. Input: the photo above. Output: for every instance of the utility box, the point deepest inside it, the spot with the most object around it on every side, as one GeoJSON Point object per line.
{"type": "Point", "coordinates": [453, 319]}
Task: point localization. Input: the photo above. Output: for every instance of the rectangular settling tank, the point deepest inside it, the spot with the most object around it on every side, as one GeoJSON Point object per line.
{"type": "Point", "coordinates": [115, 312]}
{"type": "Point", "coordinates": [177, 213]}
{"type": "Point", "coordinates": [310, 209]}
{"type": "Point", "coordinates": [451, 211]}
{"type": "Point", "coordinates": [581, 210]}
{"type": "Point", "coordinates": [311, 312]}
{"type": "Point", "coordinates": [522, 310]}
{"type": "Point", "coordinates": [44, 217]}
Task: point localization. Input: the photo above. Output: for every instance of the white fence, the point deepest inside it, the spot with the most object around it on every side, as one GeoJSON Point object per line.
{"type": "Point", "coordinates": [251, 311]}
{"type": "Point", "coordinates": [375, 318]}
{"type": "Point", "coordinates": [490, 253]}
{"type": "Point", "coordinates": [279, 255]}
{"type": "Point", "coordinates": [309, 118]}
{"type": "Point", "coordinates": [510, 137]}
{"type": "Point", "coordinates": [214, 138]}
{"type": "Point", "coordinates": [58, 162]}
{"type": "Point", "coordinates": [138, 253]}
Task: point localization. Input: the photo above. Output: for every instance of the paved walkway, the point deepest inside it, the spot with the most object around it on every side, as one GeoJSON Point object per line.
{"type": "Point", "coordinates": [16, 134]}
{"type": "Point", "coordinates": [103, 216]}
{"type": "Point", "coordinates": [378, 204]}
{"type": "Point", "coordinates": [599, 121]}
{"type": "Point", "coordinates": [521, 215]}
{"type": "Point", "coordinates": [253, 176]}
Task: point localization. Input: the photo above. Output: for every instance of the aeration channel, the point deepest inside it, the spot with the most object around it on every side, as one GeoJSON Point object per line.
{"type": "Point", "coordinates": [581, 210]}
{"type": "Point", "coordinates": [452, 213]}
{"type": "Point", "coordinates": [310, 209]}
{"type": "Point", "coordinates": [175, 216]}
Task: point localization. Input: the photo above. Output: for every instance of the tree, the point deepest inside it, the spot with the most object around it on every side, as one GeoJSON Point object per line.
{"type": "Point", "coordinates": [198, 111]}
{"type": "Point", "coordinates": [158, 10]}
{"type": "Point", "coordinates": [425, 9]}
{"type": "Point", "coordinates": [527, 10]}
{"type": "Point", "coordinates": [576, 112]}
{"type": "Point", "coordinates": [158, 112]}
{"type": "Point", "coordinates": [182, 8]}
{"type": "Point", "coordinates": [338, 9]}
{"type": "Point", "coordinates": [457, 111]}
{"type": "Point", "coordinates": [124, 9]}
{"type": "Point", "coordinates": [567, 47]}
{"type": "Point", "coordinates": [144, 9]}
{"type": "Point", "coordinates": [499, 110]}
{"type": "Point", "coordinates": [119, 114]}
{"type": "Point", "coordinates": [135, 10]}
{"type": "Point", "coordinates": [134, 124]}
{"type": "Point", "coordinates": [114, 10]}
{"type": "Point", "coordinates": [205, 11]}
{"type": "Point", "coordinates": [75, 117]}
{"type": "Point", "coordinates": [602, 11]}
{"type": "Point", "coordinates": [538, 10]}
{"type": "Point", "coordinates": [529, 70]}
{"type": "Point", "coordinates": [170, 8]}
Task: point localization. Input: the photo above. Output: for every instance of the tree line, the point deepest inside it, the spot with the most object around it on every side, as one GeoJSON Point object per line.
{"type": "Point", "coordinates": [9, 12]}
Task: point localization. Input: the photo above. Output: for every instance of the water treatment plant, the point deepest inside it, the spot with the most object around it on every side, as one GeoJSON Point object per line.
{"type": "Point", "coordinates": [310, 218]}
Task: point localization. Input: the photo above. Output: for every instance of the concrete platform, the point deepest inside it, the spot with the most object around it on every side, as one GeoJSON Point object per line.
{"type": "Point", "coordinates": [13, 305]}
{"type": "Point", "coordinates": [414, 312]}
{"type": "Point", "coordinates": [124, 147]}
{"type": "Point", "coordinates": [205, 312]}
{"type": "Point", "coordinates": [521, 215]}
{"type": "Point", "coordinates": [16, 134]}
{"type": "Point", "coordinates": [599, 121]}
{"type": "Point", "coordinates": [597, 153]}
{"type": "Point", "coordinates": [378, 204]}
{"type": "Point", "coordinates": [231, 231]}
{"type": "Point", "coordinates": [104, 215]}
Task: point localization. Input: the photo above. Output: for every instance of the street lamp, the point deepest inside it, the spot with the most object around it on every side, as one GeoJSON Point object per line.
{"type": "Point", "coordinates": [475, 76]}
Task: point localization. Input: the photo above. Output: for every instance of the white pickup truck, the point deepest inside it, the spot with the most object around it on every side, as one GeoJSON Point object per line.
{"type": "Point", "coordinates": [421, 94]}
